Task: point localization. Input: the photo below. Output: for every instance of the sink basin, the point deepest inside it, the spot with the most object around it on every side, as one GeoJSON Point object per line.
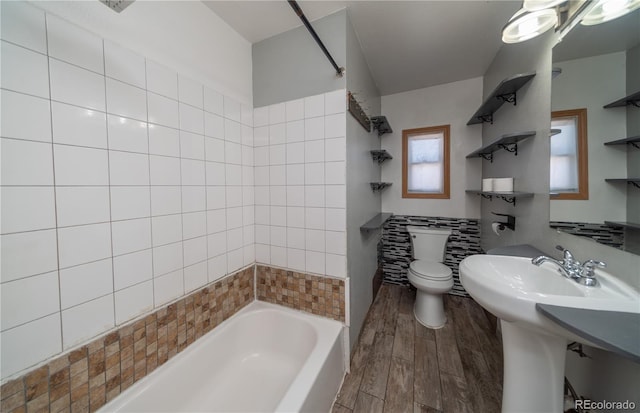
{"type": "Point", "coordinates": [534, 346]}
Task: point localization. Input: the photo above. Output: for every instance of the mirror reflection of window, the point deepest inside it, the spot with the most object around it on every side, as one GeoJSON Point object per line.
{"type": "Point", "coordinates": [568, 169]}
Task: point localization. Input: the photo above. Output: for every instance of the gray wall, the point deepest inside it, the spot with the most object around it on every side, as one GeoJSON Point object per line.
{"type": "Point", "coordinates": [291, 65]}
{"type": "Point", "coordinates": [633, 129]}
{"type": "Point", "coordinates": [605, 376]}
{"type": "Point", "coordinates": [362, 203]}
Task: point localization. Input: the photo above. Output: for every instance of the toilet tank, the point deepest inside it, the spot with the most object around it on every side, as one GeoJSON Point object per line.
{"type": "Point", "coordinates": [428, 243]}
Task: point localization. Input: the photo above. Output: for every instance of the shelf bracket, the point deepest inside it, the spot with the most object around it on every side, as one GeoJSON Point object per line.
{"type": "Point", "coordinates": [508, 97]}
{"type": "Point", "coordinates": [635, 103]}
{"type": "Point", "coordinates": [486, 118]}
{"type": "Point", "coordinates": [487, 156]}
{"type": "Point", "coordinates": [636, 184]}
{"type": "Point", "coordinates": [509, 200]}
{"type": "Point", "coordinates": [485, 196]}
{"type": "Point", "coordinates": [513, 148]}
{"type": "Point", "coordinates": [635, 144]}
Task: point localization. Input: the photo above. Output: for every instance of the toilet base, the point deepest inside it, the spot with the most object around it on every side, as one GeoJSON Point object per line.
{"type": "Point", "coordinates": [429, 310]}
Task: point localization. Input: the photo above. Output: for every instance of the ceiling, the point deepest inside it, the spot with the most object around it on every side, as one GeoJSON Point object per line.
{"type": "Point", "coordinates": [407, 44]}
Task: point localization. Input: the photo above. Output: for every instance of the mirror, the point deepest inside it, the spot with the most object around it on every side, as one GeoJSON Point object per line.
{"type": "Point", "coordinates": [599, 65]}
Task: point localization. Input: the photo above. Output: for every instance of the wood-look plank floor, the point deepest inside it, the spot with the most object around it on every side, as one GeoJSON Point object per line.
{"type": "Point", "coordinates": [400, 366]}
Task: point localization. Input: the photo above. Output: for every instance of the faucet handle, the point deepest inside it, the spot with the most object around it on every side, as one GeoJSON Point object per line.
{"type": "Point", "coordinates": [568, 256]}
{"type": "Point", "coordinates": [587, 272]}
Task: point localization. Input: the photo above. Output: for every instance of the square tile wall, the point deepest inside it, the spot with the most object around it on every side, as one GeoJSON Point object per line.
{"type": "Point", "coordinates": [125, 185]}
{"type": "Point", "coordinates": [300, 184]}
{"type": "Point", "coordinates": [87, 377]}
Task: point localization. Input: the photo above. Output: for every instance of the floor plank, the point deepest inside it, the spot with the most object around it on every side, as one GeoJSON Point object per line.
{"type": "Point", "coordinates": [483, 394]}
{"type": "Point", "coordinates": [376, 373]}
{"type": "Point", "coordinates": [487, 341]}
{"type": "Point", "coordinates": [421, 408]}
{"type": "Point", "coordinates": [407, 299]}
{"type": "Point", "coordinates": [340, 409]}
{"type": "Point", "coordinates": [455, 398]}
{"type": "Point", "coordinates": [351, 385]}
{"type": "Point", "coordinates": [426, 389]}
{"type": "Point", "coordinates": [448, 355]}
{"type": "Point", "coordinates": [368, 404]}
{"type": "Point", "coordinates": [391, 311]}
{"type": "Point", "coordinates": [404, 337]}
{"type": "Point", "coordinates": [399, 397]}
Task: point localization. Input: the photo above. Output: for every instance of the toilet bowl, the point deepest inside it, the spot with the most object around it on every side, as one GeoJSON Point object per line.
{"type": "Point", "coordinates": [427, 273]}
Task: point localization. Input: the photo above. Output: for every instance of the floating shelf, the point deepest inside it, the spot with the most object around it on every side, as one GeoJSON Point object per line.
{"type": "Point", "coordinates": [554, 132]}
{"type": "Point", "coordinates": [380, 155]}
{"type": "Point", "coordinates": [633, 141]}
{"type": "Point", "coordinates": [632, 181]}
{"type": "Point", "coordinates": [509, 197]}
{"type": "Point", "coordinates": [632, 225]}
{"type": "Point", "coordinates": [631, 100]}
{"type": "Point", "coordinates": [358, 113]}
{"type": "Point", "coordinates": [376, 222]}
{"type": "Point", "coordinates": [504, 92]}
{"type": "Point", "coordinates": [381, 124]}
{"type": "Point", "coordinates": [507, 142]}
{"type": "Point", "coordinates": [379, 186]}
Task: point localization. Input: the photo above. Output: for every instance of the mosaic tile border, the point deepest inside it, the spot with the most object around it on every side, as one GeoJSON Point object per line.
{"type": "Point", "coordinates": [87, 378]}
{"type": "Point", "coordinates": [612, 236]}
{"type": "Point", "coordinates": [314, 294]}
{"type": "Point", "coordinates": [396, 246]}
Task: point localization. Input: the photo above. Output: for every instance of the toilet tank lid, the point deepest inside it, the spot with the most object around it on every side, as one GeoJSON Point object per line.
{"type": "Point", "coordinates": [428, 230]}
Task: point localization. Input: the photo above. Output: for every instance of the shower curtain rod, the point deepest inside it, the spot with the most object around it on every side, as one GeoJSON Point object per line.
{"type": "Point", "coordinates": [299, 12]}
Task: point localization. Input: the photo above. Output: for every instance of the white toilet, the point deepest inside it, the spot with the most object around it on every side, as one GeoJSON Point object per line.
{"type": "Point", "coordinates": [429, 275]}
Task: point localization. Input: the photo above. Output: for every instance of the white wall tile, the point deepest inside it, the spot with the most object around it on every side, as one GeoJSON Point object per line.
{"type": "Point", "coordinates": [295, 174]}
{"type": "Point", "coordinates": [25, 117]}
{"type": "Point", "coordinates": [295, 153]}
{"type": "Point", "coordinates": [79, 205]}
{"type": "Point", "coordinates": [77, 86]}
{"type": "Point", "coordinates": [336, 219]}
{"type": "Point", "coordinates": [314, 151]}
{"type": "Point", "coordinates": [295, 217]}
{"type": "Point", "coordinates": [131, 269]}
{"type": "Point", "coordinates": [214, 149]}
{"type": "Point", "coordinates": [131, 235]}
{"type": "Point", "coordinates": [192, 172]}
{"type": "Point", "coordinates": [277, 154]}
{"type": "Point", "coordinates": [168, 287]}
{"type": "Point", "coordinates": [233, 153]}
{"type": "Point", "coordinates": [164, 141]}
{"type": "Point", "coordinates": [278, 216]}
{"type": "Point", "coordinates": [74, 125]}
{"type": "Point", "coordinates": [86, 243]}
{"type": "Point", "coordinates": [235, 259]}
{"type": "Point", "coordinates": [249, 254]}
{"type": "Point", "coordinates": [336, 242]}
{"type": "Point", "coordinates": [28, 253]}
{"type": "Point", "coordinates": [295, 131]}
{"type": "Point", "coordinates": [296, 259]}
{"type": "Point", "coordinates": [336, 265]}
{"type": "Point", "coordinates": [314, 240]}
{"type": "Point", "coordinates": [166, 229]}
{"type": "Point", "coordinates": [85, 282]}
{"type": "Point", "coordinates": [335, 102]}
{"type": "Point", "coordinates": [261, 136]}
{"type": "Point", "coordinates": [80, 166]}
{"type": "Point", "coordinates": [233, 175]}
{"type": "Point", "coordinates": [25, 162]}
{"type": "Point", "coordinates": [191, 119]}
{"type": "Point", "coordinates": [126, 100]}
{"type": "Point", "coordinates": [162, 80]}
{"type": "Point", "coordinates": [234, 239]}
{"type": "Point", "coordinates": [164, 170]}
{"type": "Point", "coordinates": [314, 173]}
{"type": "Point", "coordinates": [261, 156]}
{"type": "Point", "coordinates": [87, 320]}
{"type": "Point", "coordinates": [216, 197]}
{"type": "Point", "coordinates": [335, 149]}
{"type": "Point", "coordinates": [314, 106]}
{"type": "Point", "coordinates": [234, 217]}
{"type": "Point", "coordinates": [213, 125]}
{"type": "Point", "coordinates": [72, 44]}
{"type": "Point", "coordinates": [231, 109]}
{"type": "Point", "coordinates": [278, 256]}
{"type": "Point", "coordinates": [314, 129]}
{"type": "Point", "coordinates": [248, 235]}
{"type": "Point", "coordinates": [29, 298]}
{"type": "Point", "coordinates": [262, 195]}
{"type": "Point", "coordinates": [24, 71]}
{"type": "Point", "coordinates": [247, 156]}
{"type": "Point", "coordinates": [261, 116]}
{"type": "Point", "coordinates": [216, 173]}
{"type": "Point", "coordinates": [314, 196]}
{"type": "Point", "coordinates": [195, 276]}
{"type": "Point", "coordinates": [263, 254]}
{"type": "Point", "coordinates": [276, 113]}
{"type": "Point", "coordinates": [278, 175]}
{"type": "Point", "coordinates": [133, 301]}
{"type": "Point", "coordinates": [217, 267]}
{"type": "Point", "coordinates": [194, 198]}
{"type": "Point", "coordinates": [263, 234]}
{"type": "Point", "coordinates": [335, 173]}
{"type": "Point", "coordinates": [213, 101]}
{"type": "Point", "coordinates": [167, 258]}
{"type": "Point", "coordinates": [247, 178]}
{"type": "Point", "coordinates": [217, 245]}
{"type": "Point", "coordinates": [27, 209]}
{"type": "Point", "coordinates": [163, 111]}
{"type": "Point", "coordinates": [128, 168]}
{"type": "Point", "coordinates": [278, 195]}
{"type": "Point", "coordinates": [246, 115]}
{"type": "Point", "coordinates": [24, 25]}
{"type": "Point", "coordinates": [232, 131]}
{"type": "Point", "coordinates": [190, 91]}
{"type": "Point", "coordinates": [314, 218]}
{"type": "Point", "coordinates": [166, 200]}
{"type": "Point", "coordinates": [278, 236]}
{"type": "Point", "coordinates": [191, 145]}
{"type": "Point", "coordinates": [315, 262]}
{"type": "Point", "coordinates": [194, 225]}
{"type": "Point", "coordinates": [29, 344]}
{"type": "Point", "coordinates": [124, 65]}
{"type": "Point", "coordinates": [277, 134]}
{"type": "Point", "coordinates": [294, 110]}
{"type": "Point", "coordinates": [195, 250]}
{"type": "Point", "coordinates": [335, 126]}
{"type": "Point", "coordinates": [296, 238]}
{"type": "Point", "coordinates": [127, 134]}
{"type": "Point", "coordinates": [336, 196]}
{"type": "Point", "coordinates": [216, 221]}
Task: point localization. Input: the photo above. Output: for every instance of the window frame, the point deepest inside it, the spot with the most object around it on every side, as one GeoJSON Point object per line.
{"type": "Point", "coordinates": [445, 130]}
{"type": "Point", "coordinates": [582, 154]}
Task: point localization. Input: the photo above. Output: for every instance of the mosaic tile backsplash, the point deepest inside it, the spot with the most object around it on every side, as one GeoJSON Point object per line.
{"type": "Point", "coordinates": [87, 378]}
{"type": "Point", "coordinates": [314, 294]}
{"type": "Point", "coordinates": [397, 253]}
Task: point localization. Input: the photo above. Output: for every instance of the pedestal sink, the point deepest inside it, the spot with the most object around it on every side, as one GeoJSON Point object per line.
{"type": "Point", "coordinates": [534, 346]}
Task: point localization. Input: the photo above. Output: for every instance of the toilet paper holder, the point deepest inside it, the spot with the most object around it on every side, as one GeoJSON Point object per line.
{"type": "Point", "coordinates": [511, 221]}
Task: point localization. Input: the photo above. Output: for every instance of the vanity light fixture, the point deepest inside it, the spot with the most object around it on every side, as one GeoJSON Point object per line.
{"type": "Point", "coordinates": [606, 10]}
{"type": "Point", "coordinates": [535, 5]}
{"type": "Point", "coordinates": [525, 25]}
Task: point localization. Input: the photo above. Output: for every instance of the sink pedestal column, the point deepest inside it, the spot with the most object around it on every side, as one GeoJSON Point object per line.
{"type": "Point", "coordinates": [533, 370]}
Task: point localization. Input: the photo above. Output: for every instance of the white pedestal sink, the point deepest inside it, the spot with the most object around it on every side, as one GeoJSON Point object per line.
{"type": "Point", "coordinates": [534, 346]}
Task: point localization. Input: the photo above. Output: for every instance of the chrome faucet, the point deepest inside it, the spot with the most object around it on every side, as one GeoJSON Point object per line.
{"type": "Point", "coordinates": [571, 268]}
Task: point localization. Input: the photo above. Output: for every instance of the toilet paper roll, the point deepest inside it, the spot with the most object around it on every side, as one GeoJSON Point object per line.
{"type": "Point", "coordinates": [496, 227]}
{"type": "Point", "coordinates": [503, 185]}
{"type": "Point", "coordinates": [487, 184]}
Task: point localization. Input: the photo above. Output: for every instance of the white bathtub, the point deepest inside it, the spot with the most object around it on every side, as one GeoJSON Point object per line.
{"type": "Point", "coordinates": [265, 358]}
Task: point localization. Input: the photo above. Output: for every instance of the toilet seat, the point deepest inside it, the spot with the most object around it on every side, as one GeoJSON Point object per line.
{"type": "Point", "coordinates": [430, 270]}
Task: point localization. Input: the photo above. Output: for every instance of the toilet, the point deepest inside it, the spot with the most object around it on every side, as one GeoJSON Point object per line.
{"type": "Point", "coordinates": [427, 273]}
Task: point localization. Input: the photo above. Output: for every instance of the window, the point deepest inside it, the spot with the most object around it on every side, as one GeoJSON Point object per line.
{"type": "Point", "coordinates": [425, 162]}
{"type": "Point", "coordinates": [568, 166]}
